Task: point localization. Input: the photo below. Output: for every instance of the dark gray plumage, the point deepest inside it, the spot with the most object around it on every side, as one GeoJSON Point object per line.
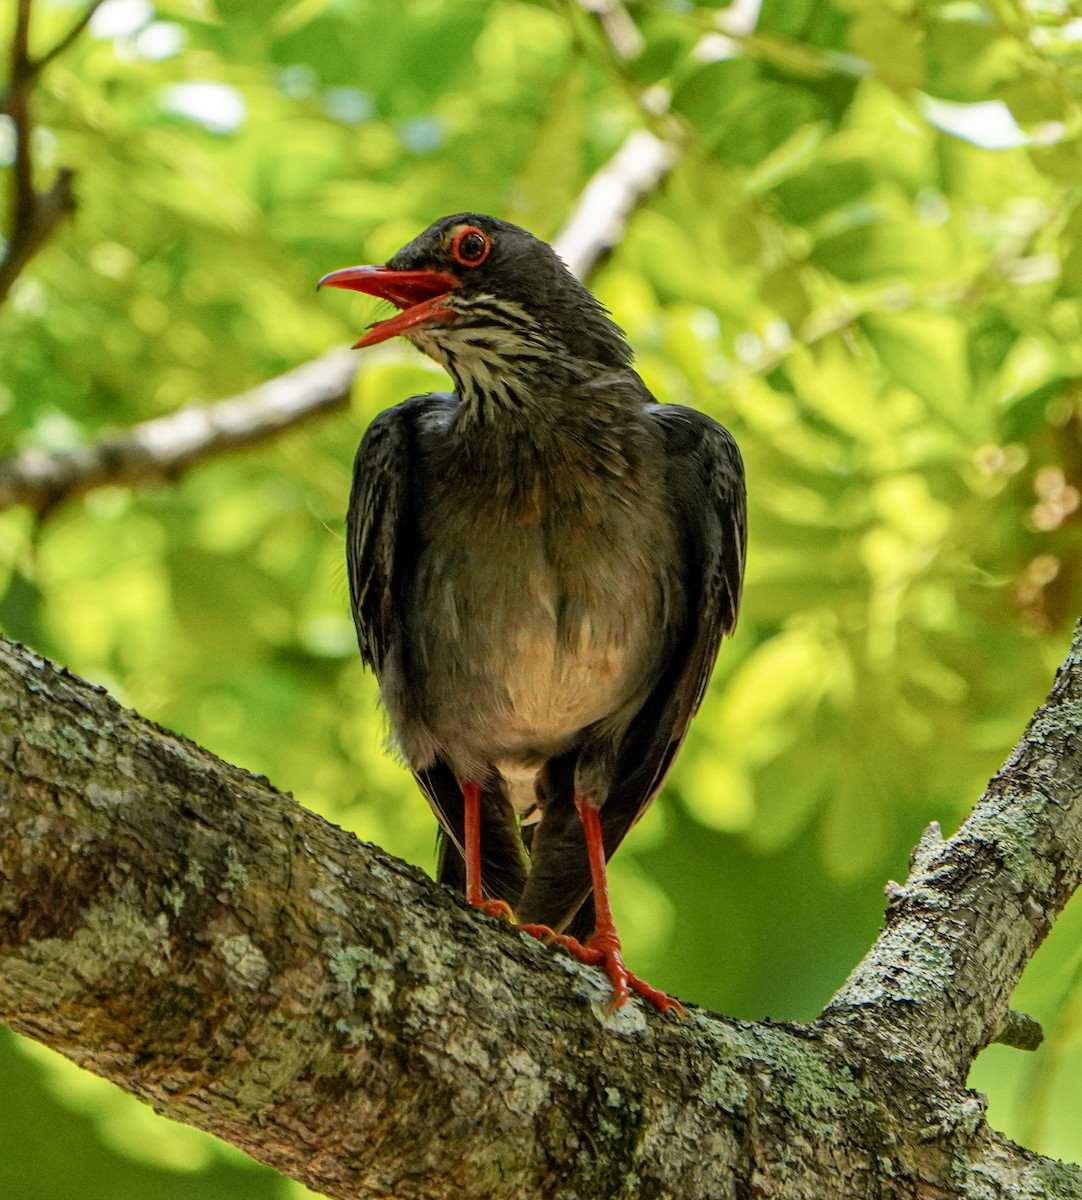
{"type": "Point", "coordinates": [541, 565]}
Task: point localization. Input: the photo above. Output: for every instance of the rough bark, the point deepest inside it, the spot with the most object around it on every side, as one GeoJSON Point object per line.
{"type": "Point", "coordinates": [180, 927]}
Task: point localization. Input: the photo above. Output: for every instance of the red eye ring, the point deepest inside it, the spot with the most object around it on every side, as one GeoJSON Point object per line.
{"type": "Point", "coordinates": [470, 246]}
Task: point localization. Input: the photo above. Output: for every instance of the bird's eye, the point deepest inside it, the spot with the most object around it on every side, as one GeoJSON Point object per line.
{"type": "Point", "coordinates": [470, 246]}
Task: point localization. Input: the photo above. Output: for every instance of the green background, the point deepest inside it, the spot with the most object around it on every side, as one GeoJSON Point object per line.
{"type": "Point", "coordinates": [866, 263]}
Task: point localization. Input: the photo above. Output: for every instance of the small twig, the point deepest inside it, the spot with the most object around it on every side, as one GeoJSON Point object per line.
{"type": "Point", "coordinates": [618, 27]}
{"type": "Point", "coordinates": [39, 64]}
{"type": "Point", "coordinates": [612, 40]}
{"type": "Point", "coordinates": [1019, 1030]}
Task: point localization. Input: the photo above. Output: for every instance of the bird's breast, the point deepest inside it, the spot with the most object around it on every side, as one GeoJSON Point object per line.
{"type": "Point", "coordinates": [555, 679]}
{"type": "Point", "coordinates": [536, 620]}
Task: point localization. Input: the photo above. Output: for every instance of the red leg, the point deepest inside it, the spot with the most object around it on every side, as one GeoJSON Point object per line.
{"type": "Point", "coordinates": [602, 947]}
{"type": "Point", "coordinates": [471, 796]}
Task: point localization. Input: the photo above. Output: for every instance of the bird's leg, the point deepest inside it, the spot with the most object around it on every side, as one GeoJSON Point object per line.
{"type": "Point", "coordinates": [471, 796]}
{"type": "Point", "coordinates": [602, 947]}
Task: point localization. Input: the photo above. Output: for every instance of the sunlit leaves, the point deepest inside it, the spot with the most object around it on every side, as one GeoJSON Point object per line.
{"type": "Point", "coordinates": [925, 352]}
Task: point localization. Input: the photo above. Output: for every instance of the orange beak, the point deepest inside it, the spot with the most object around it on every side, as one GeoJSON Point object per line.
{"type": "Point", "coordinates": [419, 294]}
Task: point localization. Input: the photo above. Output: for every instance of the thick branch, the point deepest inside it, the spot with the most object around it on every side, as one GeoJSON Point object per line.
{"type": "Point", "coordinates": [180, 927]}
{"type": "Point", "coordinates": [163, 447]}
{"type": "Point", "coordinates": [976, 907]}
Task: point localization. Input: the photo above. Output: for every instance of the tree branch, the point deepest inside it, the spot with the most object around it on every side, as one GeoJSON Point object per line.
{"type": "Point", "coordinates": [23, 199]}
{"type": "Point", "coordinates": [162, 448]}
{"type": "Point", "coordinates": [177, 925]}
{"type": "Point", "coordinates": [976, 907]}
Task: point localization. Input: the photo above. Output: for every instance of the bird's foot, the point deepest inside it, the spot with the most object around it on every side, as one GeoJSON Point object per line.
{"type": "Point", "coordinates": [499, 909]}
{"type": "Point", "coordinates": [602, 949]}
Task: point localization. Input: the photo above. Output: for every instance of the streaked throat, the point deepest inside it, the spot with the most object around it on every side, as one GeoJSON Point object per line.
{"type": "Point", "coordinates": [498, 356]}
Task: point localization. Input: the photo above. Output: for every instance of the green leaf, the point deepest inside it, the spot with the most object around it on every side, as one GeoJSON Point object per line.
{"type": "Point", "coordinates": [926, 352]}
{"type": "Point", "coordinates": [892, 42]}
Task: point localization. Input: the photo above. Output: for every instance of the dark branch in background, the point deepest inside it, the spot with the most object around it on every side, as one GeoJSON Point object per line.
{"type": "Point", "coordinates": [162, 448]}
{"type": "Point", "coordinates": [34, 215]}
{"type": "Point", "coordinates": [183, 929]}
{"type": "Point", "coordinates": [19, 110]}
{"type": "Point", "coordinates": [30, 234]}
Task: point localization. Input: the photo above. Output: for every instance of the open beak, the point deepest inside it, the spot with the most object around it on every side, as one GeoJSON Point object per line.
{"type": "Point", "coordinates": [419, 294]}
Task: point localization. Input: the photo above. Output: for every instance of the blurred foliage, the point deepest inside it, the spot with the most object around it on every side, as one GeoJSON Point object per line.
{"type": "Point", "coordinates": [866, 263]}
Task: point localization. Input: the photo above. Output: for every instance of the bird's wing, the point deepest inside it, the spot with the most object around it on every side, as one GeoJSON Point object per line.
{"type": "Point", "coordinates": [381, 543]}
{"type": "Point", "coordinates": [379, 525]}
{"type": "Point", "coordinates": [705, 479]}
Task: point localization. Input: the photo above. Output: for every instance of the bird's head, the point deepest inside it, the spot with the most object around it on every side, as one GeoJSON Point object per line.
{"type": "Point", "coordinates": [490, 302]}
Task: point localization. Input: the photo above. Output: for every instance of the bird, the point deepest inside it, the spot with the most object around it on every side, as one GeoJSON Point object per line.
{"type": "Point", "coordinates": [542, 563]}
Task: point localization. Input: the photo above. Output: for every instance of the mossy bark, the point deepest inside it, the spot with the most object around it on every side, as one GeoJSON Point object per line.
{"type": "Point", "coordinates": [183, 929]}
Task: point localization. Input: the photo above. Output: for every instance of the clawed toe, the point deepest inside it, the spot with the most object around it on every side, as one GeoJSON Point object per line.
{"type": "Point", "coordinates": [499, 909]}
{"type": "Point", "coordinates": [543, 933]}
{"type": "Point", "coordinates": [659, 999]}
